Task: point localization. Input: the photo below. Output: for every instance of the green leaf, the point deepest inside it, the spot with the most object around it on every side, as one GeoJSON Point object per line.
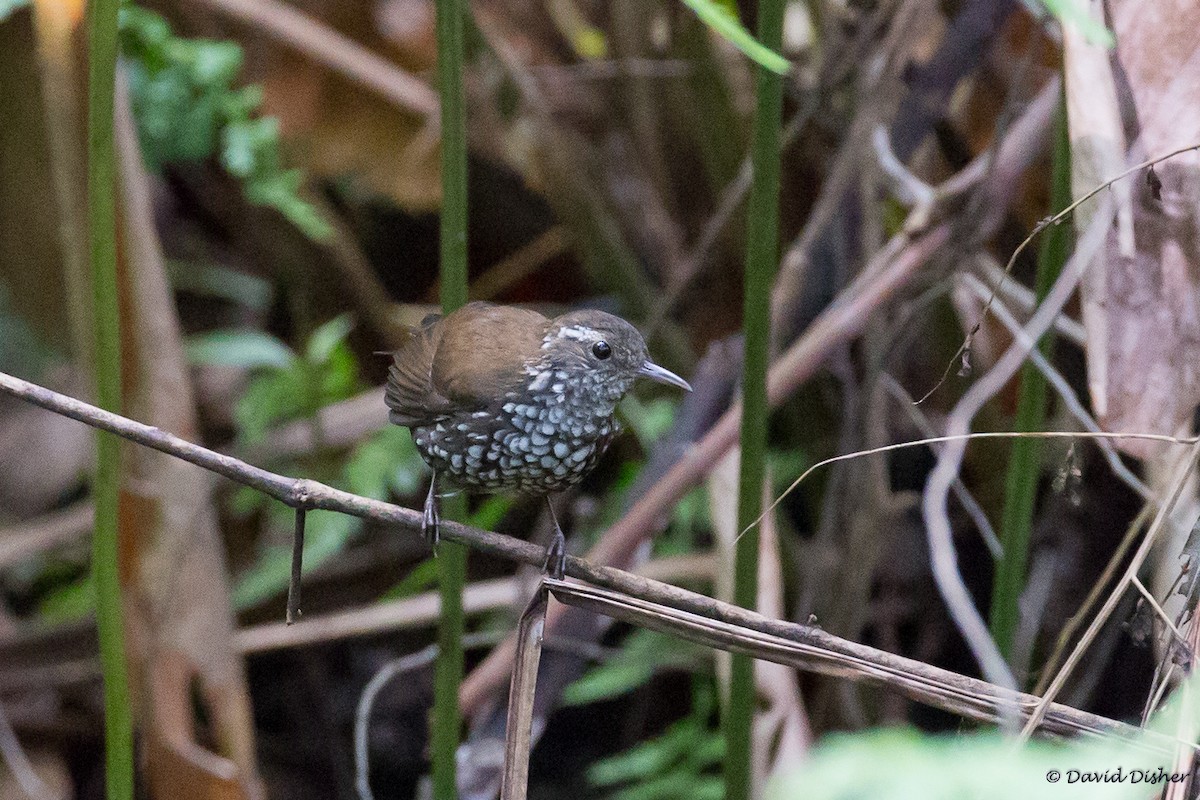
{"type": "Point", "coordinates": [421, 578]}
{"type": "Point", "coordinates": [643, 653]}
{"type": "Point", "coordinates": [279, 190]}
{"type": "Point", "coordinates": [187, 109]}
{"type": "Point", "coordinates": [611, 680]}
{"type": "Point", "coordinates": [214, 63]}
{"type": "Point", "coordinates": [245, 500]}
{"type": "Point", "coordinates": [718, 17]}
{"type": "Point", "coordinates": [214, 280]}
{"type": "Point", "coordinates": [273, 397]}
{"type": "Point", "coordinates": [338, 376]}
{"type": "Point", "coordinates": [650, 759]}
{"type": "Point", "coordinates": [71, 602]}
{"type": "Point", "coordinates": [247, 349]}
{"type": "Point", "coordinates": [325, 338]}
{"type": "Point", "coordinates": [905, 765]}
{"type": "Point", "coordinates": [680, 784]}
{"type": "Point", "coordinates": [387, 462]}
{"type": "Point", "coordinates": [489, 514]}
{"type": "Point", "coordinates": [1075, 13]}
{"type": "Point", "coordinates": [7, 7]}
{"type": "Point", "coordinates": [640, 762]}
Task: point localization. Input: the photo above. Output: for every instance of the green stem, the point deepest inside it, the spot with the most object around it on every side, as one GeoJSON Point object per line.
{"type": "Point", "coordinates": [762, 256]}
{"type": "Point", "coordinates": [118, 732]}
{"type": "Point", "coordinates": [451, 557]}
{"type": "Point", "coordinates": [1020, 491]}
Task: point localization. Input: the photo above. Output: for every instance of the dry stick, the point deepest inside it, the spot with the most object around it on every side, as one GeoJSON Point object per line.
{"type": "Point", "coordinates": [966, 437]}
{"type": "Point", "coordinates": [423, 609]}
{"type": "Point", "coordinates": [1041, 226]}
{"type": "Point", "coordinates": [967, 500]}
{"type": "Point", "coordinates": [942, 552]}
{"type": "Point", "coordinates": [366, 702]}
{"type": "Point", "coordinates": [518, 728]}
{"type": "Point", "coordinates": [293, 596]}
{"type": "Point", "coordinates": [815, 649]}
{"type": "Point", "coordinates": [968, 697]}
{"type": "Point", "coordinates": [1064, 390]}
{"type": "Point", "coordinates": [326, 46]}
{"type": "Point", "coordinates": [372, 620]}
{"type": "Point", "coordinates": [1158, 609]}
{"type": "Point", "coordinates": [1118, 591]}
{"type": "Point", "coordinates": [991, 276]}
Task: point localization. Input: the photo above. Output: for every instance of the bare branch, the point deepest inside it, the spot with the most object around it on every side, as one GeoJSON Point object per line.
{"type": "Point", "coordinates": [326, 46]}
{"type": "Point", "coordinates": [712, 621]}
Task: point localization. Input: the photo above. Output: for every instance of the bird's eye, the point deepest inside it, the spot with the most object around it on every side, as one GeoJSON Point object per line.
{"type": "Point", "coordinates": [601, 350]}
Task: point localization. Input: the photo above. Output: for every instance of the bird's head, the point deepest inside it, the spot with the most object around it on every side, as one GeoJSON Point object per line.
{"type": "Point", "coordinates": [604, 345]}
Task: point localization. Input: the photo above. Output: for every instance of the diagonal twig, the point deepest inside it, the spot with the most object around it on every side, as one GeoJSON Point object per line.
{"type": "Point", "coordinates": [337, 52]}
{"type": "Point", "coordinates": [518, 733]}
{"type": "Point", "coordinates": [822, 652]}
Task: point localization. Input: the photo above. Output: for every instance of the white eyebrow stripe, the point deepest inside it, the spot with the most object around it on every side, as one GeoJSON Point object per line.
{"type": "Point", "coordinates": [577, 332]}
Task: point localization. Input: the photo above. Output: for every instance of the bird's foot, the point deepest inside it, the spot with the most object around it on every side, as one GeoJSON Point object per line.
{"type": "Point", "coordinates": [556, 556]}
{"type": "Point", "coordinates": [431, 519]}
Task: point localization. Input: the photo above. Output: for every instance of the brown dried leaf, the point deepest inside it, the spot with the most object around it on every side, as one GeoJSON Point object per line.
{"type": "Point", "coordinates": [1144, 329]}
{"type": "Point", "coordinates": [179, 623]}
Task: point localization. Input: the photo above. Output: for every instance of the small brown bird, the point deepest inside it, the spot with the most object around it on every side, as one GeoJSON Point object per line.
{"type": "Point", "coordinates": [501, 399]}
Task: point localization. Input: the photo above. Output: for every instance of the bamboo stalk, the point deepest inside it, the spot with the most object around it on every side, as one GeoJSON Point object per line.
{"type": "Point", "coordinates": [1024, 466]}
{"type": "Point", "coordinates": [452, 557]}
{"type": "Point", "coordinates": [762, 259]}
{"type": "Point", "coordinates": [101, 163]}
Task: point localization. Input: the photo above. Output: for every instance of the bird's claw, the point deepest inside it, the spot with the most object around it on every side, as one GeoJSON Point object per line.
{"type": "Point", "coordinates": [431, 519]}
{"type": "Point", "coordinates": [555, 565]}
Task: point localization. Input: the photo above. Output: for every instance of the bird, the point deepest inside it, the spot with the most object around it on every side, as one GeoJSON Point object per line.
{"type": "Point", "coordinates": [503, 400]}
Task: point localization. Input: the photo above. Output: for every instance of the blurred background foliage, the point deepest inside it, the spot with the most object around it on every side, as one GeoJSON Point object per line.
{"type": "Point", "coordinates": [291, 158]}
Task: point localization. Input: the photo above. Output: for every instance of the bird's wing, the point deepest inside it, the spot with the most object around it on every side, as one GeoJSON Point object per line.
{"type": "Point", "coordinates": [490, 354]}
{"type": "Point", "coordinates": [410, 396]}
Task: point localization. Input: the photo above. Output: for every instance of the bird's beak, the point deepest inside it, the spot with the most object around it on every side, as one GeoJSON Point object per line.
{"type": "Point", "coordinates": [655, 372]}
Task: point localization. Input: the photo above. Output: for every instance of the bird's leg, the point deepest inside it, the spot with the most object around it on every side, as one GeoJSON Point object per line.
{"type": "Point", "coordinates": [556, 552]}
{"type": "Point", "coordinates": [431, 519]}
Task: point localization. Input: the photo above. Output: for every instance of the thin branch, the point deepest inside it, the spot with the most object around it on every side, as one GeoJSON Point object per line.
{"type": "Point", "coordinates": [816, 649]}
{"type": "Point", "coordinates": [934, 501]}
{"type": "Point", "coordinates": [968, 697]}
{"type": "Point", "coordinates": [13, 756]}
{"type": "Point", "coordinates": [1055, 220]}
{"type": "Point", "coordinates": [326, 46]}
{"type": "Point", "coordinates": [1064, 390]}
{"type": "Point", "coordinates": [966, 437]}
{"type": "Point", "coordinates": [1157, 608]}
{"type": "Point", "coordinates": [293, 598]}
{"type": "Point", "coordinates": [366, 702]}
{"type": "Point", "coordinates": [1160, 520]}
{"type": "Point", "coordinates": [991, 274]}
{"type": "Point", "coordinates": [375, 619]}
